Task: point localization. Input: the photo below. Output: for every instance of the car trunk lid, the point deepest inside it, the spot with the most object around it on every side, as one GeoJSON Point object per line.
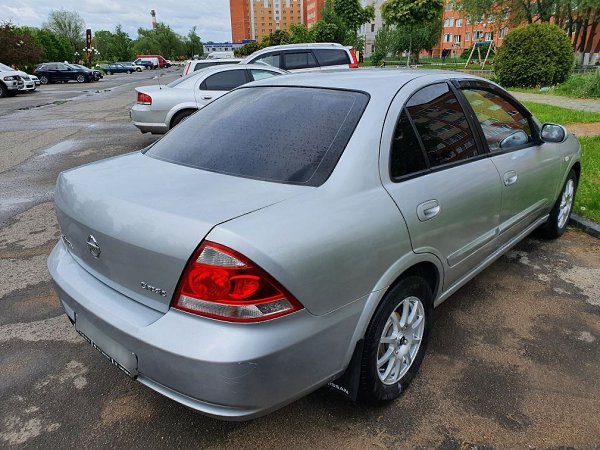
{"type": "Point", "coordinates": [134, 221]}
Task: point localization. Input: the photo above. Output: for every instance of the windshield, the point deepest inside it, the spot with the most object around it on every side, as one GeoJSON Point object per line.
{"type": "Point", "coordinates": [187, 77]}
{"type": "Point", "coordinates": [281, 134]}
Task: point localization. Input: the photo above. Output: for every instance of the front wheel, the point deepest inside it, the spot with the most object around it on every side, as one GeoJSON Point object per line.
{"type": "Point", "coordinates": [44, 79]}
{"type": "Point", "coordinates": [396, 341]}
{"type": "Point", "coordinates": [109, 73]}
{"type": "Point", "coordinates": [129, 72]}
{"type": "Point", "coordinates": [80, 78]}
{"type": "Point", "coordinates": [3, 91]}
{"type": "Point", "coordinates": [558, 219]}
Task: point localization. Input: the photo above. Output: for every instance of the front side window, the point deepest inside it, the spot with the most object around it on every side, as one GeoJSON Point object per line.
{"type": "Point", "coordinates": [225, 81]}
{"type": "Point", "coordinates": [503, 125]}
{"type": "Point", "coordinates": [270, 59]}
{"type": "Point", "coordinates": [442, 125]}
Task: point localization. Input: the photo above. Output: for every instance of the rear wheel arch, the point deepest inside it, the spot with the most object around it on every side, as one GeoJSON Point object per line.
{"type": "Point", "coordinates": [180, 115]}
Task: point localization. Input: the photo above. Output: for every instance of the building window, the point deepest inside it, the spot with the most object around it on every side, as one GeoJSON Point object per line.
{"type": "Point", "coordinates": [450, 6]}
{"type": "Point", "coordinates": [457, 39]}
{"type": "Point", "coordinates": [491, 18]}
{"type": "Point", "coordinates": [502, 33]}
{"type": "Point", "coordinates": [449, 22]}
{"type": "Point", "coordinates": [489, 36]}
{"type": "Point", "coordinates": [459, 23]}
{"type": "Point", "coordinates": [447, 38]}
{"type": "Point", "coordinates": [477, 35]}
{"type": "Point", "coordinates": [467, 36]}
{"type": "Point", "coordinates": [372, 28]}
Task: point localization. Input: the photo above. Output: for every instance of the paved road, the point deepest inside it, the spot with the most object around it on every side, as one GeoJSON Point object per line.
{"type": "Point", "coordinates": [513, 360]}
{"type": "Point", "coordinates": [581, 104]}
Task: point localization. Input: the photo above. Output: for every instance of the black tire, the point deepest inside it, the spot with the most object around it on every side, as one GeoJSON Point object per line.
{"type": "Point", "coordinates": [108, 72]}
{"type": "Point", "coordinates": [129, 72]}
{"type": "Point", "coordinates": [43, 79]}
{"type": "Point", "coordinates": [80, 78]}
{"type": "Point", "coordinates": [372, 389]}
{"type": "Point", "coordinates": [138, 69]}
{"type": "Point", "coordinates": [180, 117]}
{"type": "Point", "coordinates": [3, 91]}
{"type": "Point", "coordinates": [553, 228]}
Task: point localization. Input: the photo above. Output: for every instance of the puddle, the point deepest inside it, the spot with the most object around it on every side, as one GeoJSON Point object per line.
{"type": "Point", "coordinates": [61, 147]}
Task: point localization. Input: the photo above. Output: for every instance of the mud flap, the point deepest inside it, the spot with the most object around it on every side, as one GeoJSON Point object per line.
{"type": "Point", "coordinates": [348, 383]}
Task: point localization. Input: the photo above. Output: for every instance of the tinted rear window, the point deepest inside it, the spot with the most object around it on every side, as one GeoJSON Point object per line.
{"type": "Point", "coordinates": [331, 57]}
{"type": "Point", "coordinates": [281, 134]}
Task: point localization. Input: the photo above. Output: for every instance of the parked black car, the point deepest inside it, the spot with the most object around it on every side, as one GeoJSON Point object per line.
{"type": "Point", "coordinates": [96, 73]}
{"type": "Point", "coordinates": [56, 71]}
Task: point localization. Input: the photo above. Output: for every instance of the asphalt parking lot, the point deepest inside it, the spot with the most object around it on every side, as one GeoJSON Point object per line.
{"type": "Point", "coordinates": [513, 362]}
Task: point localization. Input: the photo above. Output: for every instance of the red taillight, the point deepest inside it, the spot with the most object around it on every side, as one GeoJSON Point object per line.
{"type": "Point", "coordinates": [144, 99]}
{"type": "Point", "coordinates": [222, 284]}
{"type": "Point", "coordinates": [354, 63]}
{"type": "Point", "coordinates": [187, 69]}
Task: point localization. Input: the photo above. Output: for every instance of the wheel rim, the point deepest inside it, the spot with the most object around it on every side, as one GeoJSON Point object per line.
{"type": "Point", "coordinates": [566, 203]}
{"type": "Point", "coordinates": [400, 340]}
{"type": "Point", "coordinates": [43, 80]}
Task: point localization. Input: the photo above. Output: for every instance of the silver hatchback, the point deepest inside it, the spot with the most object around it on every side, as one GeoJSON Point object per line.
{"type": "Point", "coordinates": [299, 231]}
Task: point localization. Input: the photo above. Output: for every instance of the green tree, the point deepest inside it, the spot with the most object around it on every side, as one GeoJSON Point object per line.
{"type": "Point", "coordinates": [299, 34]}
{"type": "Point", "coordinates": [412, 14]}
{"type": "Point", "coordinates": [247, 49]}
{"type": "Point", "coordinates": [161, 40]}
{"type": "Point", "coordinates": [193, 44]}
{"type": "Point", "coordinates": [534, 55]}
{"type": "Point", "coordinates": [416, 39]}
{"type": "Point", "coordinates": [116, 46]}
{"type": "Point", "coordinates": [384, 44]}
{"type": "Point", "coordinates": [54, 47]}
{"type": "Point", "coordinates": [352, 14]}
{"type": "Point", "coordinates": [18, 46]}
{"type": "Point", "coordinates": [68, 24]}
{"type": "Point", "coordinates": [277, 37]}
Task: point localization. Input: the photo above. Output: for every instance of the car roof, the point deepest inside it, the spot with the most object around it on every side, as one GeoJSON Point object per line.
{"type": "Point", "coordinates": [304, 45]}
{"type": "Point", "coordinates": [375, 82]}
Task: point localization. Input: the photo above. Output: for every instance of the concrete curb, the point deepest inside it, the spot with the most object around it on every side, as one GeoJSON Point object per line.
{"type": "Point", "coordinates": [591, 228]}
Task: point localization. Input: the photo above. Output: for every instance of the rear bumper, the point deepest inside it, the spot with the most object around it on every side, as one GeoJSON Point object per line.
{"type": "Point", "coordinates": [224, 370]}
{"type": "Point", "coordinates": [148, 121]}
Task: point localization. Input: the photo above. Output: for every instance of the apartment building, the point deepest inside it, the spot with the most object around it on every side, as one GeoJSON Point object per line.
{"type": "Point", "coordinates": [255, 19]}
{"type": "Point", "coordinates": [459, 33]}
{"type": "Point", "coordinates": [369, 30]}
{"type": "Point", "coordinates": [313, 12]}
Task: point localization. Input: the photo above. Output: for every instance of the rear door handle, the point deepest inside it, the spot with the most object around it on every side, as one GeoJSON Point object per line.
{"type": "Point", "coordinates": [510, 177]}
{"type": "Point", "coordinates": [206, 97]}
{"type": "Point", "coordinates": [428, 210]}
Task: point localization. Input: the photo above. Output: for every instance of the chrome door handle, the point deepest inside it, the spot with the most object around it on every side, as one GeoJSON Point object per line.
{"type": "Point", "coordinates": [206, 97]}
{"type": "Point", "coordinates": [510, 178]}
{"type": "Point", "coordinates": [428, 210]}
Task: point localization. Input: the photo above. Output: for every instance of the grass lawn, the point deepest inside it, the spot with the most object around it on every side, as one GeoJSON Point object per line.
{"type": "Point", "coordinates": [579, 85]}
{"type": "Point", "coordinates": [587, 201]}
{"type": "Point", "coordinates": [563, 116]}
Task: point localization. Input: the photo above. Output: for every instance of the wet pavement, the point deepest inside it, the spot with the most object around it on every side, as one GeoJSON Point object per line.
{"type": "Point", "coordinates": [513, 362]}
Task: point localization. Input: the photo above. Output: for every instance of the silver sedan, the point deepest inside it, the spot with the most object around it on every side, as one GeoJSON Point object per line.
{"type": "Point", "coordinates": [299, 232]}
{"type": "Point", "coordinates": [160, 108]}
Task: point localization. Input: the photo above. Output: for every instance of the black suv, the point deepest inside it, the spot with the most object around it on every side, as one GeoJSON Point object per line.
{"type": "Point", "coordinates": [56, 71]}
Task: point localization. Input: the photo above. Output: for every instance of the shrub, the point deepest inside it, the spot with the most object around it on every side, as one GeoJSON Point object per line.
{"type": "Point", "coordinates": [581, 85]}
{"type": "Point", "coordinates": [534, 55]}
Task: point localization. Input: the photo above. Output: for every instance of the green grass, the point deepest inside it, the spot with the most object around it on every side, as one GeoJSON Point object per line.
{"type": "Point", "coordinates": [578, 85]}
{"type": "Point", "coordinates": [564, 116]}
{"type": "Point", "coordinates": [587, 202]}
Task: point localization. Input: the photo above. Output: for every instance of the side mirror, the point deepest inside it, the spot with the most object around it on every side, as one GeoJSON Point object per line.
{"type": "Point", "coordinates": [515, 139]}
{"type": "Point", "coordinates": [552, 132]}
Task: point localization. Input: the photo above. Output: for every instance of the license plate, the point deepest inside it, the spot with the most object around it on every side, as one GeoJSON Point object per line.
{"type": "Point", "coordinates": [118, 355]}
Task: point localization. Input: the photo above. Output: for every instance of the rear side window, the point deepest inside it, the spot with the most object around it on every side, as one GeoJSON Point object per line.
{"type": "Point", "coordinates": [331, 57]}
{"type": "Point", "coordinates": [267, 133]}
{"type": "Point", "coordinates": [203, 65]}
{"type": "Point", "coordinates": [442, 125]}
{"type": "Point", "coordinates": [299, 60]}
{"type": "Point", "coordinates": [407, 156]}
{"type": "Point", "coordinates": [262, 74]}
{"type": "Point", "coordinates": [225, 81]}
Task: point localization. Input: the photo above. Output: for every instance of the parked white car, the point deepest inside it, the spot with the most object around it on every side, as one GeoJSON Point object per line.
{"type": "Point", "coordinates": [28, 83]}
{"type": "Point", "coordinates": [160, 108]}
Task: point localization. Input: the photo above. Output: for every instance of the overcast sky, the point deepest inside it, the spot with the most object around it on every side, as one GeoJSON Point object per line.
{"type": "Point", "coordinates": [211, 17]}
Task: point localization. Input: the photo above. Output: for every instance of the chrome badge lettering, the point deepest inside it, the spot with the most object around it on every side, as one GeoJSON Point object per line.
{"type": "Point", "coordinates": [93, 246]}
{"type": "Point", "coordinates": [153, 289]}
